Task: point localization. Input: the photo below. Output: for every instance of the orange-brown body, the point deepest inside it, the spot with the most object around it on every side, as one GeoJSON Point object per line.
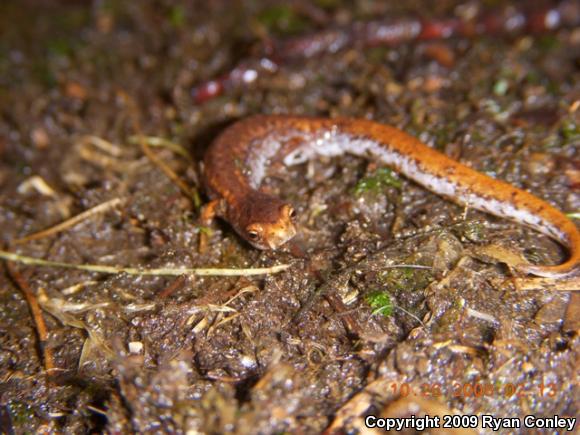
{"type": "Point", "coordinates": [235, 164]}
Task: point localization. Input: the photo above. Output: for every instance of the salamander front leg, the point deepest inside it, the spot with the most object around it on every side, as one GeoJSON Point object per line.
{"type": "Point", "coordinates": [211, 210]}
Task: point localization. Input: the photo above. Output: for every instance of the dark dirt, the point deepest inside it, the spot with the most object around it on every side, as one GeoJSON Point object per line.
{"type": "Point", "coordinates": [341, 333]}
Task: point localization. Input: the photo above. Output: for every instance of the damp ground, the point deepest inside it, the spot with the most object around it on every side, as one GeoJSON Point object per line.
{"type": "Point", "coordinates": [392, 292]}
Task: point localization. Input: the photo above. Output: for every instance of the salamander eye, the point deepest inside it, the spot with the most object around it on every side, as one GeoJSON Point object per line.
{"type": "Point", "coordinates": [252, 234]}
{"type": "Point", "coordinates": [288, 211]}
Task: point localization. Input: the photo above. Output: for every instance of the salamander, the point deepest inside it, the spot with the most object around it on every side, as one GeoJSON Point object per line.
{"type": "Point", "coordinates": [235, 165]}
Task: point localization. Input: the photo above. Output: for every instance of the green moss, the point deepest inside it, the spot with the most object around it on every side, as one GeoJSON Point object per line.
{"type": "Point", "coordinates": [42, 72]}
{"type": "Point", "coordinates": [380, 302]}
{"type": "Point", "coordinates": [60, 47]}
{"type": "Point", "coordinates": [110, 6]}
{"type": "Point", "coordinates": [383, 177]}
{"type": "Point", "coordinates": [377, 55]}
{"type": "Point", "coordinates": [532, 77]}
{"type": "Point", "coordinates": [177, 16]}
{"type": "Point", "coordinates": [405, 279]}
{"type": "Point", "coordinates": [493, 108]}
{"type": "Point", "coordinates": [551, 141]}
{"type": "Point", "coordinates": [443, 135]}
{"type": "Point", "coordinates": [569, 130]}
{"type": "Point", "coordinates": [547, 42]}
{"type": "Point", "coordinates": [282, 19]}
{"type": "Point", "coordinates": [500, 87]}
{"type": "Point", "coordinates": [451, 316]}
{"type": "Point", "coordinates": [205, 230]}
{"type": "Point", "coordinates": [553, 87]}
{"type": "Point", "coordinates": [21, 413]}
{"type": "Point", "coordinates": [472, 231]}
{"type": "Point", "coordinates": [477, 136]}
{"type": "Point", "coordinates": [327, 4]}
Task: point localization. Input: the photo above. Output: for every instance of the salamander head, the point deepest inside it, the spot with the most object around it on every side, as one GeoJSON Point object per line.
{"type": "Point", "coordinates": [267, 224]}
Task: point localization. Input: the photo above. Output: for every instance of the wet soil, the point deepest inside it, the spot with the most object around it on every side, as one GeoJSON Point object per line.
{"type": "Point", "coordinates": [387, 292]}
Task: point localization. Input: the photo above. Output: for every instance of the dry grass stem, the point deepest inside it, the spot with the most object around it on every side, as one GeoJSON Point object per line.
{"type": "Point", "coordinates": [99, 209]}
{"type": "Point", "coordinates": [166, 271]}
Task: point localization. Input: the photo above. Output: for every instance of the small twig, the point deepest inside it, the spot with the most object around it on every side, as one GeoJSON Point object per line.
{"type": "Point", "coordinates": [178, 282]}
{"type": "Point", "coordinates": [408, 313]}
{"type": "Point", "coordinates": [154, 141]}
{"type": "Point", "coordinates": [191, 192]}
{"type": "Point", "coordinates": [168, 271]}
{"type": "Point", "coordinates": [101, 208]}
{"type": "Point", "coordinates": [481, 315]}
{"type": "Point", "coordinates": [407, 266]}
{"type": "Point", "coordinates": [350, 325]}
{"type": "Point", "coordinates": [558, 284]}
{"type": "Point", "coordinates": [103, 145]}
{"type": "Point", "coordinates": [37, 183]}
{"type": "Point", "coordinates": [41, 328]}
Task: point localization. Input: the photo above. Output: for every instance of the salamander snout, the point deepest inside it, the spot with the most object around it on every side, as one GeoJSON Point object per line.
{"type": "Point", "coordinates": [272, 235]}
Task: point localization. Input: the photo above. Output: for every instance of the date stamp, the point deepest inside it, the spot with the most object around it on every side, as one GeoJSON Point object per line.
{"type": "Point", "coordinates": [474, 389]}
{"type": "Point", "coordinates": [470, 422]}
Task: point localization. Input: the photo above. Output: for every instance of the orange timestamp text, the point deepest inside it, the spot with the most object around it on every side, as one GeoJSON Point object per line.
{"type": "Point", "coordinates": [473, 389]}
